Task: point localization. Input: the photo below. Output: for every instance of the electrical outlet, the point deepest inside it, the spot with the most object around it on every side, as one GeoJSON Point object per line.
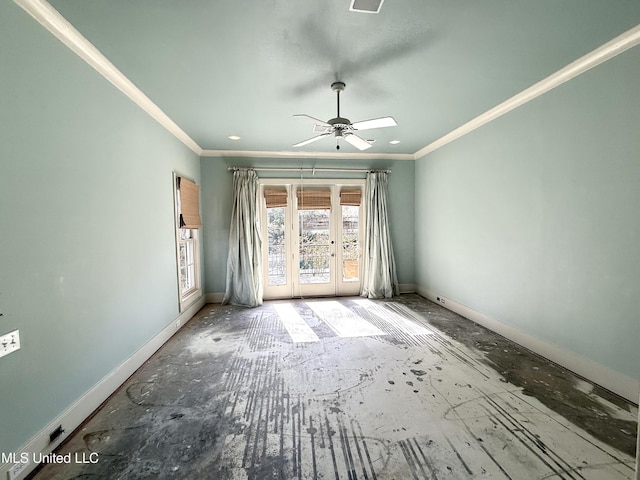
{"type": "Point", "coordinates": [9, 342]}
{"type": "Point", "coordinates": [15, 471]}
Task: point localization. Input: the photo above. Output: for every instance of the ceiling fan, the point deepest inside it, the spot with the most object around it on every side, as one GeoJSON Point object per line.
{"type": "Point", "coordinates": [342, 127]}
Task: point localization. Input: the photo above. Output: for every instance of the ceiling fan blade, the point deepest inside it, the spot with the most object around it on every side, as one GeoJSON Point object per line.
{"type": "Point", "coordinates": [316, 120]}
{"type": "Point", "coordinates": [375, 123]}
{"type": "Point", "coordinates": [310, 140]}
{"type": "Point", "coordinates": [322, 128]}
{"type": "Point", "coordinates": [358, 142]}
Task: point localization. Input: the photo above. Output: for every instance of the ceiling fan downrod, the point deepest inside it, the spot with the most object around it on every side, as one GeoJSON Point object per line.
{"type": "Point", "coordinates": [338, 87]}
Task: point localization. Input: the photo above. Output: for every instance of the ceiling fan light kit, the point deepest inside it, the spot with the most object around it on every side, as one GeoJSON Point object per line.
{"type": "Point", "coordinates": [342, 127]}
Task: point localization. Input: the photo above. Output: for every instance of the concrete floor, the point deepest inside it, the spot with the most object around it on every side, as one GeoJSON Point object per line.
{"type": "Point", "coordinates": [397, 389]}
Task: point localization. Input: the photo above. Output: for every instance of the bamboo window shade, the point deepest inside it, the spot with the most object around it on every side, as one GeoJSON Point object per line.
{"type": "Point", "coordinates": [314, 199]}
{"type": "Point", "coordinates": [189, 195]}
{"type": "Point", "coordinates": [351, 196]}
{"type": "Point", "coordinates": [275, 197]}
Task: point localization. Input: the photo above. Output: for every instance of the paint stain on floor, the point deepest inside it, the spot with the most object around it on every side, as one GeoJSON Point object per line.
{"type": "Point", "coordinates": [422, 394]}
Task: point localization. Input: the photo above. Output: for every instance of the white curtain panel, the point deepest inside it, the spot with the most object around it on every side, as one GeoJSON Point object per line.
{"type": "Point", "coordinates": [244, 271]}
{"type": "Point", "coordinates": [379, 272]}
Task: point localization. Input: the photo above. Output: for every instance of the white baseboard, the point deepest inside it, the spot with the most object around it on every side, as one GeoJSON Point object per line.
{"type": "Point", "coordinates": [402, 287]}
{"type": "Point", "coordinates": [214, 297]}
{"type": "Point", "coordinates": [638, 447]}
{"type": "Point", "coordinates": [407, 288]}
{"type": "Point", "coordinates": [84, 406]}
{"type": "Point", "coordinates": [626, 387]}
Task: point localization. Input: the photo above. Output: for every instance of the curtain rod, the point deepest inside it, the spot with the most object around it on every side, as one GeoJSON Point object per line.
{"type": "Point", "coordinates": [308, 169]}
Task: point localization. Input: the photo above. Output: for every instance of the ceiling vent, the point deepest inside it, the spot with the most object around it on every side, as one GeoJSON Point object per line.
{"type": "Point", "coordinates": [366, 6]}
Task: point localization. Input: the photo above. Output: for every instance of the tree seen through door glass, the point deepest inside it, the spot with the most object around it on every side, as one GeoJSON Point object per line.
{"type": "Point", "coordinates": [350, 244]}
{"type": "Point", "coordinates": [277, 260]}
{"type": "Point", "coordinates": [315, 248]}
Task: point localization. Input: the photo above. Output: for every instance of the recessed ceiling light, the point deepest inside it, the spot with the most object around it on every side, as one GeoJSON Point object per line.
{"type": "Point", "coordinates": [233, 137]}
{"type": "Point", "coordinates": [394, 142]}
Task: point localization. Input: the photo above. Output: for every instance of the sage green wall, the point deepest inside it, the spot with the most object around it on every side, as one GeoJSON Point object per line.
{"type": "Point", "coordinates": [87, 250]}
{"type": "Point", "coordinates": [534, 219]}
{"type": "Point", "coordinates": [216, 206]}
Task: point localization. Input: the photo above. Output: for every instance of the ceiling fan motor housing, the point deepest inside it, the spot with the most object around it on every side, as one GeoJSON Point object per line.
{"type": "Point", "coordinates": [339, 122]}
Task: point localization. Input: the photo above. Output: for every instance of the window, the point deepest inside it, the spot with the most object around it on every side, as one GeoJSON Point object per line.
{"type": "Point", "coordinates": [186, 263]}
{"type": "Point", "coordinates": [350, 200]}
{"type": "Point", "coordinates": [315, 246]}
{"type": "Point", "coordinates": [187, 219]}
{"type": "Point", "coordinates": [350, 243]}
{"type": "Point", "coordinates": [276, 203]}
{"type": "Point", "coordinates": [276, 255]}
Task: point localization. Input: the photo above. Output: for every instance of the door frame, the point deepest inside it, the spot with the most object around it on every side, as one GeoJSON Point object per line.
{"type": "Point", "coordinates": [292, 288]}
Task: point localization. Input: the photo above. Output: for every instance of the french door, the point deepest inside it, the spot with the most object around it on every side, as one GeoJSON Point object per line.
{"type": "Point", "coordinates": [312, 237]}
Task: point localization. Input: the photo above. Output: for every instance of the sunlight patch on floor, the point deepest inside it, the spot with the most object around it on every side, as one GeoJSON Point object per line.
{"type": "Point", "coordinates": [298, 329]}
{"type": "Point", "coordinates": [343, 321]}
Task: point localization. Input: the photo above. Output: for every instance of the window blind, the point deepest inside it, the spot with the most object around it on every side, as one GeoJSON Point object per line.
{"type": "Point", "coordinates": [189, 195]}
{"type": "Point", "coordinates": [350, 196]}
{"type": "Point", "coordinates": [275, 197]}
{"type": "Point", "coordinates": [314, 199]}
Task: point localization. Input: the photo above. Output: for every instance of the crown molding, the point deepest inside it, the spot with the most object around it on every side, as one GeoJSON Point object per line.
{"type": "Point", "coordinates": [615, 47]}
{"type": "Point", "coordinates": [60, 27]}
{"type": "Point", "coordinates": [291, 154]}
{"type": "Point", "coordinates": [63, 30]}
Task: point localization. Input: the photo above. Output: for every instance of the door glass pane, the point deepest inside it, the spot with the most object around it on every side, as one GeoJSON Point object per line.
{"type": "Point", "coordinates": [315, 248]}
{"type": "Point", "coordinates": [350, 245]}
{"type": "Point", "coordinates": [277, 261]}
